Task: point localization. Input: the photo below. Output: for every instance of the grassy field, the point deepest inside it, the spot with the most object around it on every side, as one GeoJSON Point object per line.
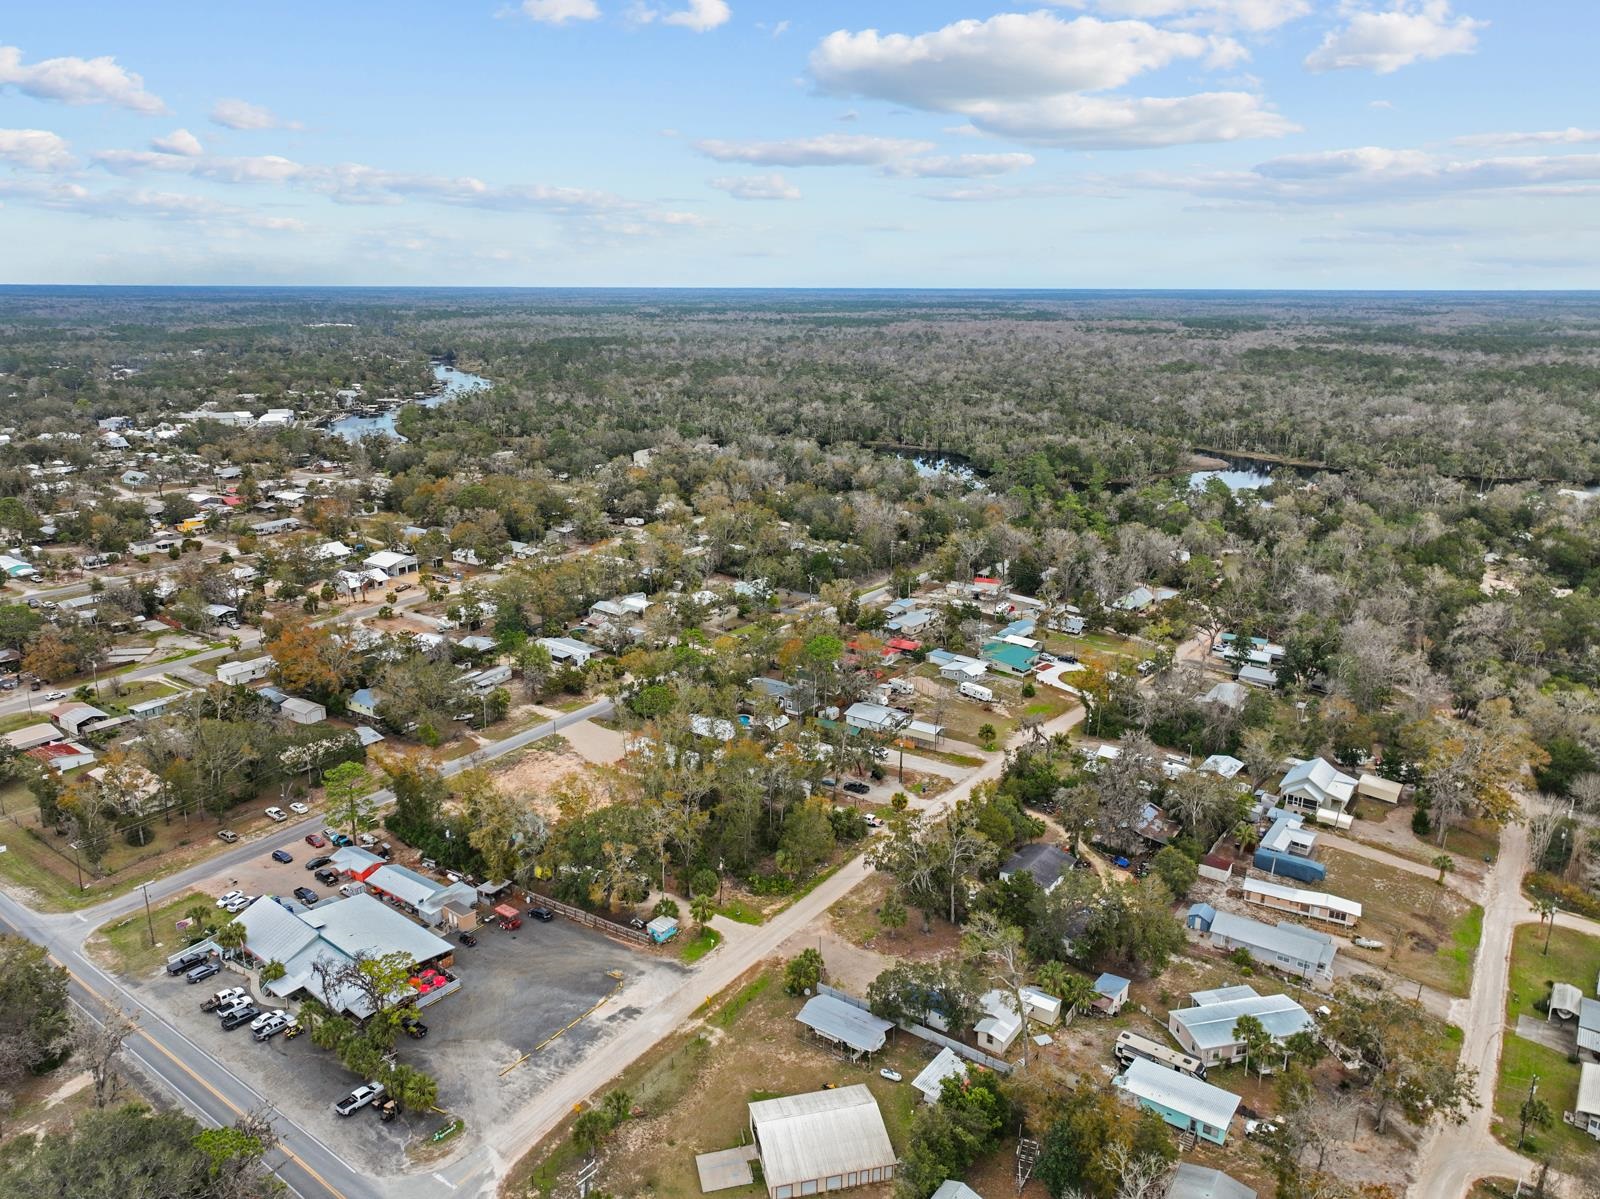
{"type": "Point", "coordinates": [693, 1091]}
{"type": "Point", "coordinates": [963, 717]}
{"type": "Point", "coordinates": [124, 945]}
{"type": "Point", "coordinates": [696, 947]}
{"type": "Point", "coordinates": [39, 860]}
{"type": "Point", "coordinates": [1430, 933]}
{"type": "Point", "coordinates": [1575, 958]}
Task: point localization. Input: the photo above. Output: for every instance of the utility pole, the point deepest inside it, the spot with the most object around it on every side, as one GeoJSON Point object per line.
{"type": "Point", "coordinates": [149, 920]}
{"type": "Point", "coordinates": [1533, 1089]}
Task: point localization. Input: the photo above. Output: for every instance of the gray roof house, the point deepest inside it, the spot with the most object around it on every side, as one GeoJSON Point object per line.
{"type": "Point", "coordinates": [1302, 952]}
{"type": "Point", "coordinates": [1190, 1181]}
{"type": "Point", "coordinates": [1048, 864]}
{"type": "Point", "coordinates": [857, 1031]}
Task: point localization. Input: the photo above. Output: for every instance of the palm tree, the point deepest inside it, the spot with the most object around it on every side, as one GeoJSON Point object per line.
{"type": "Point", "coordinates": [1547, 916]}
{"type": "Point", "coordinates": [1055, 978]}
{"type": "Point", "coordinates": [701, 908]}
{"type": "Point", "coordinates": [1078, 993]}
{"type": "Point", "coordinates": [1444, 864]}
{"type": "Point", "coordinates": [231, 936]}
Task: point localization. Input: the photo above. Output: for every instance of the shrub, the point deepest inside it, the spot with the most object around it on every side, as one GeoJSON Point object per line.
{"type": "Point", "coordinates": [803, 972]}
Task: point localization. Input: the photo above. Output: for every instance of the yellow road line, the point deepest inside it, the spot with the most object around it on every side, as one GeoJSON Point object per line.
{"type": "Point", "coordinates": [216, 1094]}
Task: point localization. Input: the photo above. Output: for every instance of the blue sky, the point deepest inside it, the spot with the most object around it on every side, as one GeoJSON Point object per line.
{"type": "Point", "coordinates": [1079, 143]}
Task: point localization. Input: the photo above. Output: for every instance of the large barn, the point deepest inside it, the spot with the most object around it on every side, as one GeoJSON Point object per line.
{"type": "Point", "coordinates": [821, 1141]}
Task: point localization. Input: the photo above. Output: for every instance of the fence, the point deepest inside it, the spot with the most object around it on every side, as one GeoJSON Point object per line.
{"type": "Point", "coordinates": [925, 1034]}
{"type": "Point", "coordinates": [589, 920]}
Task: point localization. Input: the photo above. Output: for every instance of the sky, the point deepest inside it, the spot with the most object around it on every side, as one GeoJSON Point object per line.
{"type": "Point", "coordinates": [1402, 144]}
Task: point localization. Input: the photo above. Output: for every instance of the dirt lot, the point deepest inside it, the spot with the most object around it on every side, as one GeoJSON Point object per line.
{"type": "Point", "coordinates": [693, 1095]}
{"type": "Point", "coordinates": [1430, 932]}
{"type": "Point", "coordinates": [537, 771]}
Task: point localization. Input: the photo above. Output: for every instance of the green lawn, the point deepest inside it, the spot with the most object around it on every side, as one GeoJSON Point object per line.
{"type": "Point", "coordinates": [1575, 958]}
{"type": "Point", "coordinates": [124, 945]}
{"type": "Point", "coordinates": [737, 909]}
{"type": "Point", "coordinates": [699, 945]}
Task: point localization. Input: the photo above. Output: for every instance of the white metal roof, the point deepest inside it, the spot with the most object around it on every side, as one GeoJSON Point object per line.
{"type": "Point", "coordinates": [1290, 940]}
{"type": "Point", "coordinates": [945, 1065]}
{"type": "Point", "coordinates": [819, 1135]}
{"type": "Point", "coordinates": [1190, 1181]}
{"type": "Point", "coordinates": [1320, 899]}
{"type": "Point", "coordinates": [1589, 1089]}
{"type": "Point", "coordinates": [837, 1020]}
{"type": "Point", "coordinates": [1179, 1093]}
{"type": "Point", "coordinates": [1211, 1026]}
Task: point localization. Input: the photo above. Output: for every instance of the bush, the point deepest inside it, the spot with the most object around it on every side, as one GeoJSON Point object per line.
{"type": "Point", "coordinates": [1420, 824]}
{"type": "Point", "coordinates": [665, 906]}
{"type": "Point", "coordinates": [1564, 894]}
{"type": "Point", "coordinates": [803, 972]}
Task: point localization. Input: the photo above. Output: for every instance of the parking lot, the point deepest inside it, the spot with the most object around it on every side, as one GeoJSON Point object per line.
{"type": "Point", "coordinates": [519, 989]}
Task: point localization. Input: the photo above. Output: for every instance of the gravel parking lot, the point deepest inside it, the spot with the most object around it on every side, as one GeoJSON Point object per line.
{"type": "Point", "coordinates": [519, 989]}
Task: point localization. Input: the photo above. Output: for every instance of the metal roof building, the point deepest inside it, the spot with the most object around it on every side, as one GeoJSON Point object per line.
{"type": "Point", "coordinates": [1207, 1030]}
{"type": "Point", "coordinates": [1184, 1102]}
{"type": "Point", "coordinates": [844, 1024]}
{"type": "Point", "coordinates": [1303, 952]}
{"type": "Point", "coordinates": [821, 1141]}
{"type": "Point", "coordinates": [1190, 1181]}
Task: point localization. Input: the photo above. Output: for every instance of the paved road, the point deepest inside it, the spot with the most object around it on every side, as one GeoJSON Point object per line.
{"type": "Point", "coordinates": [204, 1085]}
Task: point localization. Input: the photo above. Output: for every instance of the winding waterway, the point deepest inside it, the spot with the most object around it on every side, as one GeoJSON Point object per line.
{"type": "Point", "coordinates": [452, 383]}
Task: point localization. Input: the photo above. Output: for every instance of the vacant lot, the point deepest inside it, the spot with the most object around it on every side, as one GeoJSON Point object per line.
{"type": "Point", "coordinates": [1430, 933]}
{"type": "Point", "coordinates": [693, 1093]}
{"type": "Point", "coordinates": [127, 947]}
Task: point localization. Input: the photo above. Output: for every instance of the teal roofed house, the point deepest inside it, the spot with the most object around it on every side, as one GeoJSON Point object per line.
{"type": "Point", "coordinates": [1010, 657]}
{"type": "Point", "coordinates": [1183, 1102]}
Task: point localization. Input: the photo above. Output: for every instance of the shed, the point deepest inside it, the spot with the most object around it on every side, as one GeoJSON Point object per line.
{"type": "Point", "coordinates": [930, 1083]}
{"type": "Point", "coordinates": [1589, 1026]}
{"type": "Point", "coordinates": [845, 1025]}
{"type": "Point", "coordinates": [1379, 788]}
{"type": "Point", "coordinates": [821, 1141]}
{"type": "Point", "coordinates": [951, 1188]}
{"type": "Point", "coordinates": [1111, 992]}
{"type": "Point", "coordinates": [662, 929]}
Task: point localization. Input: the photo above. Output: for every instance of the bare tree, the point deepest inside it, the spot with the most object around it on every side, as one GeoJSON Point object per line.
{"type": "Point", "coordinates": [96, 1044]}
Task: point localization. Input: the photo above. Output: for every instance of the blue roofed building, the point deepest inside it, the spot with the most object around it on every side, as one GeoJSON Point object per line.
{"type": "Point", "coordinates": [1188, 1104]}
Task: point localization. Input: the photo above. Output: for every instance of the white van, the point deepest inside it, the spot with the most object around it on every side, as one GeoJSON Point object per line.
{"type": "Point", "coordinates": [976, 691]}
{"type": "Point", "coordinates": [352, 888]}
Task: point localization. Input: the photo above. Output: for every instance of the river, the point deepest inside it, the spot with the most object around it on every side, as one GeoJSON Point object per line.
{"type": "Point", "coordinates": [1236, 480]}
{"type": "Point", "coordinates": [452, 382]}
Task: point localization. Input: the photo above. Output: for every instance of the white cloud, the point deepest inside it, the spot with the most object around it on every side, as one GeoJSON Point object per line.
{"type": "Point", "coordinates": [357, 183]}
{"type": "Point", "coordinates": [1548, 137]}
{"type": "Point", "coordinates": [829, 149]}
{"type": "Point", "coordinates": [179, 141]}
{"type": "Point", "coordinates": [241, 114]}
{"type": "Point", "coordinates": [1376, 173]}
{"type": "Point", "coordinates": [1118, 123]}
{"type": "Point", "coordinates": [559, 12]}
{"type": "Point", "coordinates": [1010, 57]}
{"type": "Point", "coordinates": [122, 204]}
{"type": "Point", "coordinates": [1253, 16]}
{"type": "Point", "coordinates": [757, 187]}
{"type": "Point", "coordinates": [701, 15]}
{"type": "Point", "coordinates": [1383, 42]}
{"type": "Point", "coordinates": [34, 150]}
{"type": "Point", "coordinates": [1025, 75]}
{"type": "Point", "coordinates": [960, 166]}
{"type": "Point", "coordinates": [78, 81]}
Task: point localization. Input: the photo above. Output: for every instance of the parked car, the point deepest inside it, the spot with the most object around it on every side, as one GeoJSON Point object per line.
{"type": "Point", "coordinates": [857, 788]}
{"type": "Point", "coordinates": [316, 841]}
{"type": "Point", "coordinates": [233, 1007]}
{"type": "Point", "coordinates": [467, 939]}
{"type": "Point", "coordinates": [57, 695]}
{"type": "Point", "coordinates": [306, 896]}
{"type": "Point", "coordinates": [298, 808]}
{"type": "Point", "coordinates": [891, 1075]}
{"type": "Point", "coordinates": [228, 835]}
{"type": "Point", "coordinates": [1256, 1128]}
{"type": "Point", "coordinates": [327, 876]}
{"type": "Point", "coordinates": [228, 897]}
{"type": "Point", "coordinates": [240, 1017]}
{"type": "Point", "coordinates": [226, 997]}
{"type": "Point", "coordinates": [234, 906]}
{"type": "Point", "coordinates": [413, 1027]}
{"type": "Point", "coordinates": [264, 1019]}
{"type": "Point", "coordinates": [187, 962]}
{"type": "Point", "coordinates": [873, 821]}
{"type": "Point", "coordinates": [341, 840]}
{"type": "Point", "coordinates": [318, 862]}
{"type": "Point", "coordinates": [282, 855]}
{"type": "Point", "coordinates": [277, 814]}
{"type": "Point", "coordinates": [367, 1092]}
{"type": "Point", "coordinates": [203, 971]}
{"type": "Point", "coordinates": [510, 923]}
{"type": "Point", "coordinates": [275, 1024]}
{"type": "Point", "coordinates": [542, 914]}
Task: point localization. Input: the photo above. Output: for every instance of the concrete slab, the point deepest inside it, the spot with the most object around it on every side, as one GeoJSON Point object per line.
{"type": "Point", "coordinates": [725, 1169]}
